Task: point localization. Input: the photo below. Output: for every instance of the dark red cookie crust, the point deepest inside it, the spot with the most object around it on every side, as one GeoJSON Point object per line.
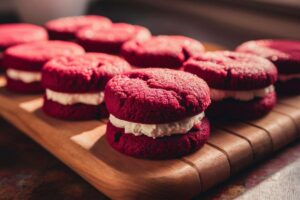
{"type": "Point", "coordinates": [160, 148]}
{"type": "Point", "coordinates": [161, 51]}
{"type": "Point", "coordinates": [156, 95]}
{"type": "Point", "coordinates": [14, 34]}
{"type": "Point", "coordinates": [232, 71]}
{"type": "Point", "coordinates": [65, 28]}
{"type": "Point", "coordinates": [86, 73]}
{"type": "Point", "coordinates": [32, 56]}
{"type": "Point", "coordinates": [74, 112]}
{"type": "Point", "coordinates": [2, 69]}
{"type": "Point", "coordinates": [110, 39]}
{"type": "Point", "coordinates": [285, 54]}
{"type": "Point", "coordinates": [235, 109]}
{"type": "Point", "coordinates": [288, 88]}
{"type": "Point", "coordinates": [25, 88]}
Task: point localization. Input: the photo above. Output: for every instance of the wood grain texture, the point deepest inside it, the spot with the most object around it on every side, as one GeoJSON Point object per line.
{"type": "Point", "coordinates": [206, 159]}
{"type": "Point", "coordinates": [82, 146]}
{"type": "Point", "coordinates": [237, 150]}
{"type": "Point", "coordinates": [259, 139]}
{"type": "Point", "coordinates": [280, 128]}
{"type": "Point", "coordinates": [292, 102]}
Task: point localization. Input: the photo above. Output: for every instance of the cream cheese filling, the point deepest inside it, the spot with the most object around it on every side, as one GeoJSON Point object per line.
{"type": "Point", "coordinates": [157, 130]}
{"type": "Point", "coordinates": [73, 98]}
{"type": "Point", "coordinates": [218, 95]}
{"type": "Point", "coordinates": [24, 76]}
{"type": "Point", "coordinates": [287, 77]}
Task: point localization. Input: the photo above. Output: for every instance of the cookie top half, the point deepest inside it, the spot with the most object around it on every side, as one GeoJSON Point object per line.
{"type": "Point", "coordinates": [285, 54]}
{"type": "Point", "coordinates": [156, 95]}
{"type": "Point", "coordinates": [33, 56]}
{"type": "Point", "coordinates": [232, 71]}
{"type": "Point", "coordinates": [110, 39]}
{"type": "Point", "coordinates": [161, 51]}
{"type": "Point", "coordinates": [86, 73]}
{"type": "Point", "coordinates": [65, 28]}
{"type": "Point", "coordinates": [13, 34]}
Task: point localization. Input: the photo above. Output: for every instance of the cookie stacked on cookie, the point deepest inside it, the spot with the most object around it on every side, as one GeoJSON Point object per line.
{"type": "Point", "coordinates": [75, 85]}
{"type": "Point", "coordinates": [242, 85]}
{"type": "Point", "coordinates": [24, 63]}
{"type": "Point", "coordinates": [157, 113]}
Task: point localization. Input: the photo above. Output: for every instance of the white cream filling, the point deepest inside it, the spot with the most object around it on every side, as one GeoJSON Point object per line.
{"type": "Point", "coordinates": [157, 130]}
{"type": "Point", "coordinates": [73, 98]}
{"type": "Point", "coordinates": [287, 77]}
{"type": "Point", "coordinates": [24, 76]}
{"type": "Point", "coordinates": [218, 95]}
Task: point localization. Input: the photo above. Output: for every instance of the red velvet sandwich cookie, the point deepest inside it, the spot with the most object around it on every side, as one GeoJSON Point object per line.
{"type": "Point", "coordinates": [75, 85]}
{"type": "Point", "coordinates": [65, 28]}
{"type": "Point", "coordinates": [285, 54]}
{"type": "Point", "coordinates": [241, 85]}
{"type": "Point", "coordinates": [24, 63]}
{"type": "Point", "coordinates": [157, 113]}
{"type": "Point", "coordinates": [161, 51]}
{"type": "Point", "coordinates": [110, 39]}
{"type": "Point", "coordinates": [14, 34]}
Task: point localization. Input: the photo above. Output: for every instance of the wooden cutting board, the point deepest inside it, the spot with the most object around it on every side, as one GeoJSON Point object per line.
{"type": "Point", "coordinates": [83, 147]}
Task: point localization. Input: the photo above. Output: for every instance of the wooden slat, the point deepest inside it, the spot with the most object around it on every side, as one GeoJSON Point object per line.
{"type": "Point", "coordinates": [291, 112]}
{"type": "Point", "coordinates": [280, 128]}
{"type": "Point", "coordinates": [206, 159]}
{"type": "Point", "coordinates": [237, 150]}
{"type": "Point", "coordinates": [259, 139]}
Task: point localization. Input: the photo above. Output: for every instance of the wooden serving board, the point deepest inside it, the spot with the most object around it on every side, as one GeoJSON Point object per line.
{"type": "Point", "coordinates": [83, 147]}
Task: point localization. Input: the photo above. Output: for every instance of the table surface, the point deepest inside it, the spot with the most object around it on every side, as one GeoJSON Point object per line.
{"type": "Point", "coordinates": [29, 172]}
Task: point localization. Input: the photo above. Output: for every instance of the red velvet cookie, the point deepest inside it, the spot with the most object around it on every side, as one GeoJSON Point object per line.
{"type": "Point", "coordinates": [86, 73]}
{"type": "Point", "coordinates": [239, 82]}
{"type": "Point", "coordinates": [14, 34]}
{"type": "Point", "coordinates": [161, 51]}
{"type": "Point", "coordinates": [157, 97]}
{"type": "Point", "coordinates": [24, 62]}
{"type": "Point", "coordinates": [110, 39]}
{"type": "Point", "coordinates": [285, 54]}
{"type": "Point", "coordinates": [85, 77]}
{"type": "Point", "coordinates": [65, 28]}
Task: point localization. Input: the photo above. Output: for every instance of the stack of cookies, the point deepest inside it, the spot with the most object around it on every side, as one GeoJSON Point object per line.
{"type": "Point", "coordinates": [155, 90]}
